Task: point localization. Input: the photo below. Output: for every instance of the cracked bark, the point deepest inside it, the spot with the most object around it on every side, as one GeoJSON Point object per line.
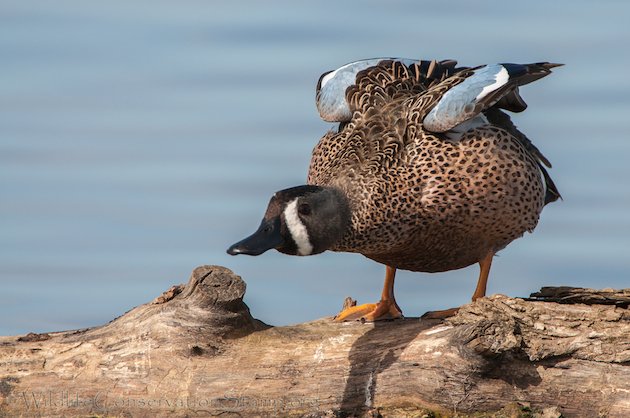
{"type": "Point", "coordinates": [196, 350]}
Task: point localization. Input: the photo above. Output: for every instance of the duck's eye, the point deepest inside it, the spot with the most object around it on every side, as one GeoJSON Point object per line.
{"type": "Point", "coordinates": [304, 209]}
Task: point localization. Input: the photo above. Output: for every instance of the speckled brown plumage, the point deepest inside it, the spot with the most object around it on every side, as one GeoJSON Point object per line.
{"type": "Point", "coordinates": [422, 201]}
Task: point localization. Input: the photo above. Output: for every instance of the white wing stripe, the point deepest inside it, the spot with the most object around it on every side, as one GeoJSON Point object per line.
{"type": "Point", "coordinates": [500, 78]}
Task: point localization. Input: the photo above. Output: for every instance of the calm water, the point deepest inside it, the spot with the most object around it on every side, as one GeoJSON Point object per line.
{"type": "Point", "coordinates": [139, 139]}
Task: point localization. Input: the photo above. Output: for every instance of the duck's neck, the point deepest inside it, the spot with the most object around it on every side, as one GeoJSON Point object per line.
{"type": "Point", "coordinates": [338, 217]}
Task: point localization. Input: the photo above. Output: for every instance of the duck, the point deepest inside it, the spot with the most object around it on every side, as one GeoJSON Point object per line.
{"type": "Point", "coordinates": [424, 171]}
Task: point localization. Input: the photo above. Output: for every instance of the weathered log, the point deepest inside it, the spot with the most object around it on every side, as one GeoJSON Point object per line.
{"type": "Point", "coordinates": [197, 351]}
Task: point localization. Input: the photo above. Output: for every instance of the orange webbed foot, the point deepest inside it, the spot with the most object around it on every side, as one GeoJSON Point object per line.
{"type": "Point", "coordinates": [385, 309]}
{"type": "Point", "coordinates": [443, 314]}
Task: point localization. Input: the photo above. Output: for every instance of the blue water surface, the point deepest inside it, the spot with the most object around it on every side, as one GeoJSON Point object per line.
{"type": "Point", "coordinates": [139, 139]}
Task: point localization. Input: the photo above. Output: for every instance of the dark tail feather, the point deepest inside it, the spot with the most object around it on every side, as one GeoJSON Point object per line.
{"type": "Point", "coordinates": [524, 74]}
{"type": "Point", "coordinates": [512, 102]}
{"type": "Point", "coordinates": [552, 191]}
{"type": "Point", "coordinates": [528, 73]}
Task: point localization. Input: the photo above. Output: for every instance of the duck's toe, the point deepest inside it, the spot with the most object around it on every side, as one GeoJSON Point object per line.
{"type": "Point", "coordinates": [443, 314]}
{"type": "Point", "coordinates": [385, 309]}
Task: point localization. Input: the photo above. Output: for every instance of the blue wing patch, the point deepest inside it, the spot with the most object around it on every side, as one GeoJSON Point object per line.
{"type": "Point", "coordinates": [468, 99]}
{"type": "Point", "coordinates": [332, 86]}
{"type": "Point", "coordinates": [495, 84]}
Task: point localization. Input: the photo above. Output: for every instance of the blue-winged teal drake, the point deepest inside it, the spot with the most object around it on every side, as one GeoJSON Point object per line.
{"type": "Point", "coordinates": [425, 172]}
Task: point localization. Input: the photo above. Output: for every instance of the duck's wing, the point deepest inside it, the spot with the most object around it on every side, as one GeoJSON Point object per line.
{"type": "Point", "coordinates": [359, 84]}
{"type": "Point", "coordinates": [466, 94]}
{"type": "Point", "coordinates": [368, 135]}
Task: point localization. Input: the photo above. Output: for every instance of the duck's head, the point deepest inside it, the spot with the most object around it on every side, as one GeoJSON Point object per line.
{"type": "Point", "coordinates": [303, 220]}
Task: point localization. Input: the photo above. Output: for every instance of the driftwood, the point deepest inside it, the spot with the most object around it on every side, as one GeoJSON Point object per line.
{"type": "Point", "coordinates": [197, 351]}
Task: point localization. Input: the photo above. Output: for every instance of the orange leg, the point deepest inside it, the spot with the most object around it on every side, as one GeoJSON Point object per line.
{"type": "Point", "coordinates": [386, 308]}
{"type": "Point", "coordinates": [484, 271]}
{"type": "Point", "coordinates": [480, 291]}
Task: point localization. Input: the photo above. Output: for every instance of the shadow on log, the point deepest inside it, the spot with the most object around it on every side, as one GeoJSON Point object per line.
{"type": "Point", "coordinates": [197, 351]}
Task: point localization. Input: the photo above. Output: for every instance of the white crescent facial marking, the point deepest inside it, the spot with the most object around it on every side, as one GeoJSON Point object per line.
{"type": "Point", "coordinates": [500, 78]}
{"type": "Point", "coordinates": [297, 229]}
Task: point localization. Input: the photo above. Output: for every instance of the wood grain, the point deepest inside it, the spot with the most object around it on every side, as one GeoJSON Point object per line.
{"type": "Point", "coordinates": [197, 351]}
